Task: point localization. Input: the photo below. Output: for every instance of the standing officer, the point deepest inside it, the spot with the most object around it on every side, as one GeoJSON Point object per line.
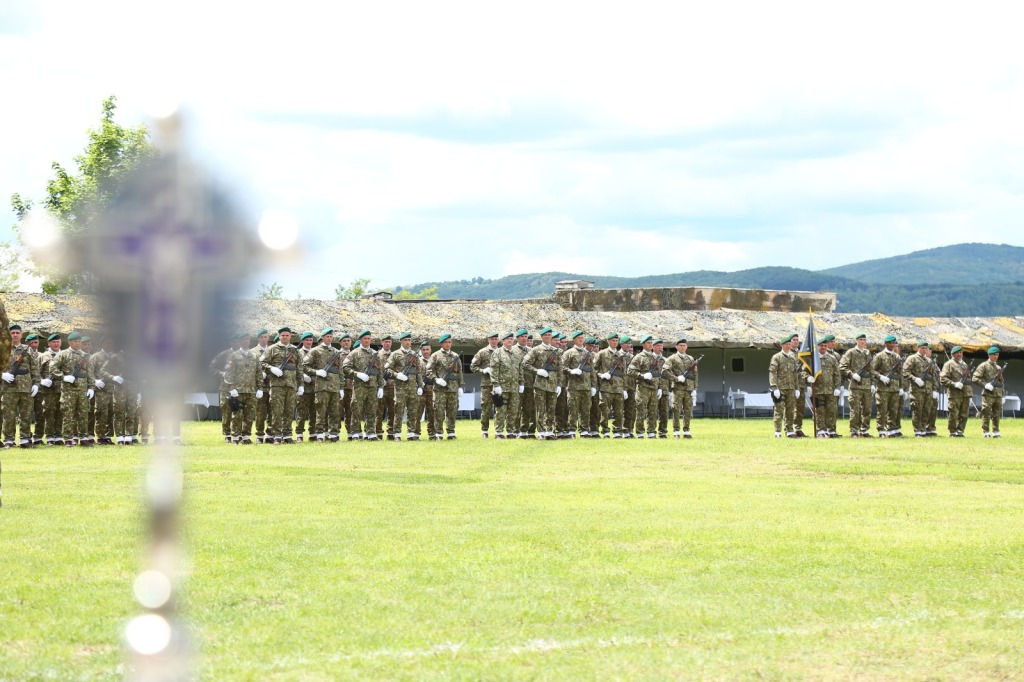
{"type": "Point", "coordinates": [103, 400]}
{"type": "Point", "coordinates": [386, 405]}
{"type": "Point", "coordinates": [886, 368]}
{"type": "Point", "coordinates": [682, 369]}
{"type": "Point", "coordinates": [362, 366]}
{"type": "Point", "coordinates": [782, 380]}
{"type": "Point", "coordinates": [445, 369]}
{"type": "Point", "coordinates": [610, 368]}
{"type": "Point", "coordinates": [595, 396]}
{"type": "Point", "coordinates": [629, 386]}
{"type": "Point", "coordinates": [526, 421]}
{"type": "Point", "coordinates": [262, 404]}
{"type": "Point", "coordinates": [542, 362]}
{"type": "Point", "coordinates": [481, 365]}
{"type": "Point", "coordinates": [825, 389]}
{"type": "Point", "coordinates": [345, 343]}
{"type": "Point", "coordinates": [920, 375]}
{"type": "Point", "coordinates": [243, 375]}
{"type": "Point", "coordinates": [39, 401]}
{"type": "Point", "coordinates": [281, 363]}
{"type": "Point", "coordinates": [664, 387]}
{"type": "Point", "coordinates": [647, 388]}
{"type": "Point", "coordinates": [324, 364]}
{"type": "Point", "coordinates": [217, 365]}
{"type": "Point", "coordinates": [122, 400]}
{"type": "Point", "coordinates": [855, 365]}
{"type": "Point", "coordinates": [578, 368]}
{"type": "Point", "coordinates": [506, 383]}
{"type": "Point", "coordinates": [989, 375]}
{"type": "Point", "coordinates": [70, 367]}
{"type": "Point", "coordinates": [830, 348]}
{"type": "Point", "coordinates": [20, 385]}
{"type": "Point", "coordinates": [956, 377]}
{"type": "Point", "coordinates": [427, 399]}
{"type": "Point", "coordinates": [408, 371]}
{"type": "Point", "coordinates": [50, 390]}
{"type": "Point", "coordinates": [304, 407]}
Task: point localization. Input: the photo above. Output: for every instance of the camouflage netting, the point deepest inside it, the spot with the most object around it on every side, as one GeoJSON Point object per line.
{"type": "Point", "coordinates": [471, 321]}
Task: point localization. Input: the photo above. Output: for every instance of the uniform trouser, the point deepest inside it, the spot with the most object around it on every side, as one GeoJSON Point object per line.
{"type": "Point", "coordinates": [991, 411]}
{"type": "Point", "coordinates": [504, 415]}
{"type": "Point", "coordinates": [922, 410]}
{"type": "Point", "coordinates": [327, 412]}
{"type": "Point", "coordinates": [799, 405]}
{"type": "Point", "coordinates": [595, 413]}
{"type": "Point", "coordinates": [958, 406]}
{"type": "Point", "coordinates": [104, 406]}
{"type": "Point", "coordinates": [544, 403]}
{"type": "Point", "coordinates": [145, 420]}
{"type": "Point", "coordinates": [282, 411]}
{"type": "Point", "coordinates": [386, 410]}
{"type": "Point", "coordinates": [611, 408]}
{"type": "Point", "coordinates": [562, 411]}
{"type": "Point", "coordinates": [486, 403]}
{"type": "Point", "coordinates": [262, 411]}
{"type": "Point", "coordinates": [825, 406]}
{"type": "Point", "coordinates": [684, 407]}
{"type": "Point", "coordinates": [74, 408]}
{"type": "Point", "coordinates": [646, 410]}
{"type": "Point", "coordinates": [39, 414]}
{"type": "Point", "coordinates": [407, 404]}
{"type": "Point", "coordinates": [124, 417]}
{"type": "Point", "coordinates": [784, 411]}
{"type": "Point", "coordinates": [860, 410]}
{"type": "Point", "coordinates": [528, 410]}
{"type": "Point", "coordinates": [579, 410]}
{"type": "Point", "coordinates": [446, 405]}
{"type": "Point", "coordinates": [305, 410]}
{"type": "Point", "coordinates": [17, 409]}
{"type": "Point", "coordinates": [663, 412]}
{"type": "Point", "coordinates": [346, 406]}
{"type": "Point", "coordinates": [889, 404]}
{"type": "Point", "coordinates": [241, 419]}
{"type": "Point", "coordinates": [629, 410]}
{"type": "Point", "coordinates": [51, 410]}
{"type": "Point", "coordinates": [427, 407]}
{"type": "Point", "coordinates": [225, 413]}
{"type": "Point", "coordinates": [90, 417]}
{"type": "Point", "coordinates": [364, 408]}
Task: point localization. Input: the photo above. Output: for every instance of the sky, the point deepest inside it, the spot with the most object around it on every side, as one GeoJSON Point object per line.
{"type": "Point", "coordinates": [419, 142]}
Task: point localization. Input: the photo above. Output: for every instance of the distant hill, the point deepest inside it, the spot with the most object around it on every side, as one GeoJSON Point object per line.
{"type": "Point", "coordinates": [952, 281]}
{"type": "Point", "coordinates": [959, 264]}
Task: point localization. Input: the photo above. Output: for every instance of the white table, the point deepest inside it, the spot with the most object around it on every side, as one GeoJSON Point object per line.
{"type": "Point", "coordinates": [741, 400]}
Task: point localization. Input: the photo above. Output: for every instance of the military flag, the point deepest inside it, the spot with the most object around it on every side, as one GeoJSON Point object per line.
{"type": "Point", "coordinates": [808, 352]}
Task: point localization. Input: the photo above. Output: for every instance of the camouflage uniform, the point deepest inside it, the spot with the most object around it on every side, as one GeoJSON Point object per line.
{"type": "Point", "coordinates": [305, 408]}
{"type": "Point", "coordinates": [610, 369]}
{"type": "Point", "coordinates": [18, 395]}
{"type": "Point", "coordinates": [386, 405]}
{"type": "Point", "coordinates": [506, 374]}
{"type": "Point", "coordinates": [578, 373]}
{"type": "Point", "coordinates": [889, 397]}
{"type": "Point", "coordinates": [681, 365]}
{"type": "Point", "coordinates": [922, 376]}
{"type": "Point", "coordinates": [262, 404]}
{"type": "Point", "coordinates": [628, 397]}
{"type": "Point", "coordinates": [526, 422]}
{"type": "Point", "coordinates": [782, 377]}
{"type": "Point", "coordinates": [594, 420]}
{"type": "Point", "coordinates": [220, 360]}
{"type": "Point", "coordinates": [426, 409]}
{"type": "Point", "coordinates": [123, 398]}
{"type": "Point", "coordinates": [543, 358]}
{"type": "Point", "coordinates": [324, 364]}
{"type": "Point", "coordinates": [481, 362]}
{"type": "Point", "coordinates": [989, 373]}
{"type": "Point", "coordinates": [858, 361]}
{"type": "Point", "coordinates": [285, 358]}
{"type": "Point", "coordinates": [958, 398]}
{"type": "Point", "coordinates": [74, 400]}
{"type": "Point", "coordinates": [50, 415]}
{"type": "Point", "coordinates": [103, 398]}
{"type": "Point", "coordinates": [407, 393]}
{"type": "Point", "coordinates": [445, 365]}
{"type": "Point", "coordinates": [243, 374]}
{"type": "Point", "coordinates": [363, 360]}
{"type": "Point", "coordinates": [562, 400]}
{"type": "Point", "coordinates": [665, 385]}
{"type": "Point", "coordinates": [641, 371]}
{"type": "Point", "coordinates": [823, 393]}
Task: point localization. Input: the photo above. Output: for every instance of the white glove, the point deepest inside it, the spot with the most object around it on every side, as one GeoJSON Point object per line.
{"type": "Point", "coordinates": [935, 395]}
{"type": "Point", "coordinates": [919, 381]}
{"type": "Point", "coordinates": [35, 389]}
{"type": "Point", "coordinates": [989, 387]}
{"type": "Point", "coordinates": [593, 391]}
{"type": "Point", "coordinates": [796, 394]}
{"type": "Point", "coordinates": [301, 390]}
{"type": "Point", "coordinates": [264, 375]}
{"type": "Point", "coordinates": [576, 371]}
{"type": "Point", "coordinates": [777, 394]}
{"type": "Point", "coordinates": [69, 378]}
{"type": "Point", "coordinates": [522, 388]}
{"type": "Point", "coordinates": [233, 393]}
{"type": "Point", "coordinates": [306, 378]}
{"type": "Point", "coordinates": [958, 385]}
{"type": "Point", "coordinates": [341, 393]}
{"type": "Point", "coordinates": [90, 393]}
{"type": "Point", "coordinates": [401, 376]}
{"type": "Point", "coordinates": [419, 391]}
{"type": "Point", "coordinates": [497, 390]}
{"type": "Point", "coordinates": [836, 392]}
{"type": "Point", "coordinates": [659, 394]}
{"type": "Point", "coordinates": [855, 377]}
{"type": "Point", "coordinates": [902, 393]}
{"type": "Point", "coordinates": [118, 380]}
{"type": "Point", "coordinates": [810, 380]}
{"type": "Point", "coordinates": [873, 389]}
{"type": "Point", "coordinates": [277, 371]}
{"type": "Point", "coordinates": [542, 372]}
{"type": "Point", "coordinates": [380, 393]}
{"type": "Point", "coordinates": [8, 377]}
{"type": "Point", "coordinates": [648, 376]}
{"type": "Point", "coordinates": [607, 376]}
{"type": "Point", "coordinates": [322, 373]}
{"type": "Point", "coordinates": [486, 370]}
{"type": "Point", "coordinates": [48, 382]}
{"type": "Point", "coordinates": [693, 395]}
{"type": "Point", "coordinates": [460, 390]}
{"type": "Point", "coordinates": [99, 383]}
{"type": "Point", "coordinates": [440, 382]}
{"type": "Point", "coordinates": [362, 376]}
{"type": "Point", "coordinates": [625, 395]}
{"type": "Point", "coordinates": [259, 393]}
{"type": "Point", "coordinates": [884, 379]}
{"type": "Point", "coordinates": [558, 391]}
{"type": "Point", "coordinates": [681, 379]}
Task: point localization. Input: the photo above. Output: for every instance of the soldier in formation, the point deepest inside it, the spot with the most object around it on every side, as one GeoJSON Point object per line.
{"type": "Point", "coordinates": [783, 371]}
{"type": "Point", "coordinates": [825, 389]}
{"type": "Point", "coordinates": [855, 367]}
{"type": "Point", "coordinates": [921, 375]}
{"type": "Point", "coordinates": [481, 364]}
{"type": "Point", "coordinates": [956, 378]}
{"type": "Point", "coordinates": [989, 375]}
{"type": "Point", "coordinates": [408, 372]}
{"type": "Point", "coordinates": [445, 370]}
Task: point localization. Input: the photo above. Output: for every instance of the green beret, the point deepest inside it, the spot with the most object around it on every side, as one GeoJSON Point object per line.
{"type": "Point", "coordinates": [386, 338]}
{"type": "Point", "coordinates": [590, 339]}
{"type": "Point", "coordinates": [365, 332]}
{"type": "Point", "coordinates": [646, 339]}
{"type": "Point", "coordinates": [862, 335]}
{"type": "Point", "coordinates": [522, 332]}
{"type": "Point", "coordinates": [355, 345]}
{"type": "Point", "coordinates": [506, 335]}
{"type": "Point", "coordinates": [530, 337]}
{"type": "Point", "coordinates": [785, 339]}
{"type": "Point", "coordinates": [993, 350]}
{"type": "Point", "coordinates": [577, 333]}
{"type": "Point", "coordinates": [344, 336]}
{"type": "Point", "coordinates": [262, 332]}
{"type": "Point", "coordinates": [545, 330]}
{"type": "Point", "coordinates": [14, 326]}
{"type": "Point", "coordinates": [404, 335]}
{"type": "Point", "coordinates": [424, 344]}
{"type": "Point", "coordinates": [922, 343]}
{"type": "Point", "coordinates": [794, 336]}
{"type": "Point", "coordinates": [625, 339]}
{"type": "Point", "coordinates": [74, 336]}
{"type": "Point", "coordinates": [306, 335]}
{"type": "Point", "coordinates": [659, 342]}
{"type": "Point", "coordinates": [327, 331]}
{"type": "Point", "coordinates": [955, 349]}
{"type": "Point", "coordinates": [827, 338]}
{"type": "Point", "coordinates": [54, 337]}
{"type": "Point", "coordinates": [492, 335]}
{"type": "Point", "coordinates": [444, 337]}
{"type": "Point", "coordinates": [275, 338]}
{"type": "Point", "coordinates": [680, 341]}
{"type": "Point", "coordinates": [611, 336]}
{"type": "Point", "coordinates": [889, 339]}
{"type": "Point", "coordinates": [86, 339]}
{"type": "Point", "coordinates": [32, 337]}
{"type": "Point", "coordinates": [282, 330]}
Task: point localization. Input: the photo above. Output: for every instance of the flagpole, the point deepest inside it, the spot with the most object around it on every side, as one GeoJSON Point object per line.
{"type": "Point", "coordinates": [814, 349]}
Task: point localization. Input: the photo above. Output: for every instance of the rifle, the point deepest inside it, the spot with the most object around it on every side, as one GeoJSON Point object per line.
{"type": "Point", "coordinates": [334, 359]}
{"type": "Point", "coordinates": [15, 363]}
{"type": "Point", "coordinates": [451, 368]}
{"type": "Point", "coordinates": [287, 358]}
{"type": "Point", "coordinates": [967, 376]}
{"type": "Point", "coordinates": [371, 366]}
{"type": "Point", "coordinates": [686, 374]}
{"type": "Point", "coordinates": [656, 371]}
{"type": "Point", "coordinates": [997, 380]}
{"type": "Point", "coordinates": [79, 366]}
{"type": "Point", "coordinates": [587, 361]}
{"type": "Point", "coordinates": [897, 368]}
{"type": "Point", "coordinates": [411, 366]}
{"type": "Point", "coordinates": [551, 363]}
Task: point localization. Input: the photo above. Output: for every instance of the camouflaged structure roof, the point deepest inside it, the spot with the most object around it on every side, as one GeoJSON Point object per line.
{"type": "Point", "coordinates": [470, 322]}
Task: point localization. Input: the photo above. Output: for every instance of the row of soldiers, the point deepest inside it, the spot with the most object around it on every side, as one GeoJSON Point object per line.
{"type": "Point", "coordinates": [77, 397]}
{"type": "Point", "coordinates": [556, 387]}
{"type": "Point", "coordinates": [888, 377]}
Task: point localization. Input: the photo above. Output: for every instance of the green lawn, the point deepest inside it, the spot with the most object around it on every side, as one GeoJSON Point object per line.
{"type": "Point", "coordinates": [731, 556]}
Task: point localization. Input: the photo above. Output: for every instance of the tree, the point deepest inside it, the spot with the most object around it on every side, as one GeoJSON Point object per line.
{"type": "Point", "coordinates": [424, 294]}
{"type": "Point", "coordinates": [75, 199]}
{"type": "Point", "coordinates": [12, 266]}
{"type": "Point", "coordinates": [354, 290]}
{"type": "Point", "coordinates": [270, 292]}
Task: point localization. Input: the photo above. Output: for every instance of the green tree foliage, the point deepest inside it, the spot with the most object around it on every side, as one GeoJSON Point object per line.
{"type": "Point", "coordinates": [75, 198]}
{"type": "Point", "coordinates": [357, 288]}
{"type": "Point", "coordinates": [428, 293]}
{"type": "Point", "coordinates": [269, 292]}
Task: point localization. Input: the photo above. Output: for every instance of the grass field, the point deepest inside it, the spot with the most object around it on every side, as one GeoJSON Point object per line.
{"type": "Point", "coordinates": [731, 556]}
